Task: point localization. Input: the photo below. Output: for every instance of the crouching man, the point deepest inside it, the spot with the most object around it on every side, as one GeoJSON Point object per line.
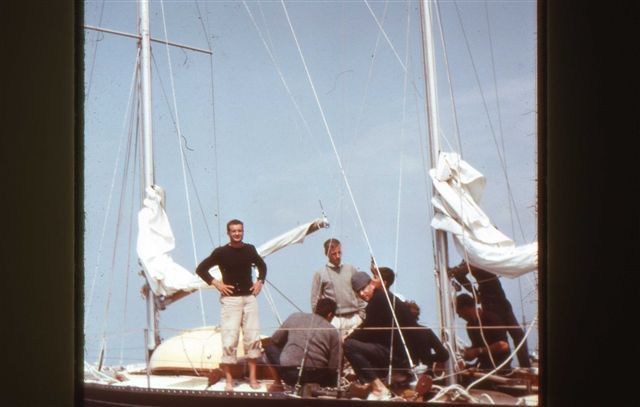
{"type": "Point", "coordinates": [308, 342]}
{"type": "Point", "coordinates": [368, 347]}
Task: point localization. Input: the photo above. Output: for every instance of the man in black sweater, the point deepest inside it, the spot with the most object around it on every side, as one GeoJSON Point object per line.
{"type": "Point", "coordinates": [239, 307]}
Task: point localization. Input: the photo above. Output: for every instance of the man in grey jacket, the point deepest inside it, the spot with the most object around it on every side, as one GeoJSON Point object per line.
{"type": "Point", "coordinates": [306, 342]}
{"type": "Point", "coordinates": [334, 281]}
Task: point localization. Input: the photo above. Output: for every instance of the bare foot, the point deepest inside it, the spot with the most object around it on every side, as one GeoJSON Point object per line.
{"type": "Point", "coordinates": [228, 386]}
{"type": "Point", "coordinates": [214, 376]}
{"type": "Point", "coordinates": [255, 385]}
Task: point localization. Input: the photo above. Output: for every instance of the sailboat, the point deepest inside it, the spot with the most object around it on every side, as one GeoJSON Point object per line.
{"type": "Point", "coordinates": [177, 369]}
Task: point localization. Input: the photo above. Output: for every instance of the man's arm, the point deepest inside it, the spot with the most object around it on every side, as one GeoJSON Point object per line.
{"type": "Point", "coordinates": [202, 270]}
{"type": "Point", "coordinates": [260, 264]}
{"type": "Point", "coordinates": [440, 353]}
{"type": "Point", "coordinates": [495, 348]}
{"type": "Point", "coordinates": [459, 273]}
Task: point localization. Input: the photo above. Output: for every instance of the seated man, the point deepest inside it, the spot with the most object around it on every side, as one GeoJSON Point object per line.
{"type": "Point", "coordinates": [428, 350]}
{"type": "Point", "coordinates": [368, 349]}
{"type": "Point", "coordinates": [482, 323]}
{"type": "Point", "coordinates": [308, 341]}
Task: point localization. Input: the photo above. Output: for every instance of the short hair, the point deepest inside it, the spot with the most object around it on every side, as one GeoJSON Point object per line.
{"type": "Point", "coordinates": [387, 275]}
{"type": "Point", "coordinates": [234, 222]}
{"type": "Point", "coordinates": [414, 308]}
{"type": "Point", "coordinates": [329, 243]}
{"type": "Point", "coordinates": [325, 306]}
{"type": "Point", "coordinates": [465, 300]}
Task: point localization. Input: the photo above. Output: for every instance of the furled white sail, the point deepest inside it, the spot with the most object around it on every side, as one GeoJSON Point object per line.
{"type": "Point", "coordinates": [459, 188]}
{"type": "Point", "coordinates": [156, 241]}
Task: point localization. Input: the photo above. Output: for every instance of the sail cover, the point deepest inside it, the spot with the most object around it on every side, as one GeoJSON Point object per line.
{"type": "Point", "coordinates": [459, 188]}
{"type": "Point", "coordinates": [156, 242]}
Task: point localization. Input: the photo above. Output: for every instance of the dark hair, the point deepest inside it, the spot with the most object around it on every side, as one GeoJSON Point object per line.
{"type": "Point", "coordinates": [465, 300]}
{"type": "Point", "coordinates": [387, 275]}
{"type": "Point", "coordinates": [330, 243]}
{"type": "Point", "coordinates": [234, 222]}
{"type": "Point", "coordinates": [414, 308]}
{"type": "Point", "coordinates": [325, 306]}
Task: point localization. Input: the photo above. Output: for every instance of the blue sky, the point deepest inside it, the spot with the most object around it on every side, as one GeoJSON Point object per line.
{"type": "Point", "coordinates": [251, 156]}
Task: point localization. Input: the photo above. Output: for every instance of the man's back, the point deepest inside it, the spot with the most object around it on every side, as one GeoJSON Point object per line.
{"type": "Point", "coordinates": [311, 332]}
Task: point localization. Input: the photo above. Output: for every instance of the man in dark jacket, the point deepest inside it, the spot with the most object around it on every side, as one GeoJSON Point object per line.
{"type": "Point", "coordinates": [493, 299]}
{"type": "Point", "coordinates": [487, 334]}
{"type": "Point", "coordinates": [368, 347]}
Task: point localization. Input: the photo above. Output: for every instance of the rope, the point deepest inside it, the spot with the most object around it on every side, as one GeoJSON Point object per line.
{"type": "Point", "coordinates": [182, 156]}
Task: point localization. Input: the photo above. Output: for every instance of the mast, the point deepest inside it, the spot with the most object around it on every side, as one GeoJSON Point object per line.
{"type": "Point", "coordinates": [447, 333]}
{"type": "Point", "coordinates": [147, 143]}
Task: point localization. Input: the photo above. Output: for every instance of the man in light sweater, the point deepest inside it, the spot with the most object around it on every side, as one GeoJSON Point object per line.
{"type": "Point", "coordinates": [334, 281]}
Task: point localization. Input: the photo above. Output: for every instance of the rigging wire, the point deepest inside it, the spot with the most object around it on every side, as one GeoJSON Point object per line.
{"type": "Point", "coordinates": [339, 161]}
{"type": "Point", "coordinates": [214, 132]}
{"type": "Point", "coordinates": [189, 172]}
{"type": "Point", "coordinates": [400, 175]}
{"type": "Point", "coordinates": [499, 112]}
{"type": "Point", "coordinates": [123, 187]}
{"type": "Point", "coordinates": [128, 267]}
{"type": "Point", "coordinates": [284, 82]}
{"type": "Point", "coordinates": [447, 70]}
{"type": "Point", "coordinates": [485, 105]}
{"type": "Point", "coordinates": [111, 190]}
{"type": "Point", "coordinates": [370, 72]}
{"type": "Point", "coordinates": [95, 53]}
{"type": "Point", "coordinates": [272, 304]}
{"type": "Point", "coordinates": [386, 37]}
{"type": "Point", "coordinates": [182, 156]}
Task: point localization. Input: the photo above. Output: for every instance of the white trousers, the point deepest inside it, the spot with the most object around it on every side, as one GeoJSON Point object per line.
{"type": "Point", "coordinates": [238, 312]}
{"type": "Point", "coordinates": [346, 325]}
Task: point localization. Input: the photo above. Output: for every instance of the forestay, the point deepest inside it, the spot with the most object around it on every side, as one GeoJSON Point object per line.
{"type": "Point", "coordinates": [459, 189]}
{"type": "Point", "coordinates": [156, 242]}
